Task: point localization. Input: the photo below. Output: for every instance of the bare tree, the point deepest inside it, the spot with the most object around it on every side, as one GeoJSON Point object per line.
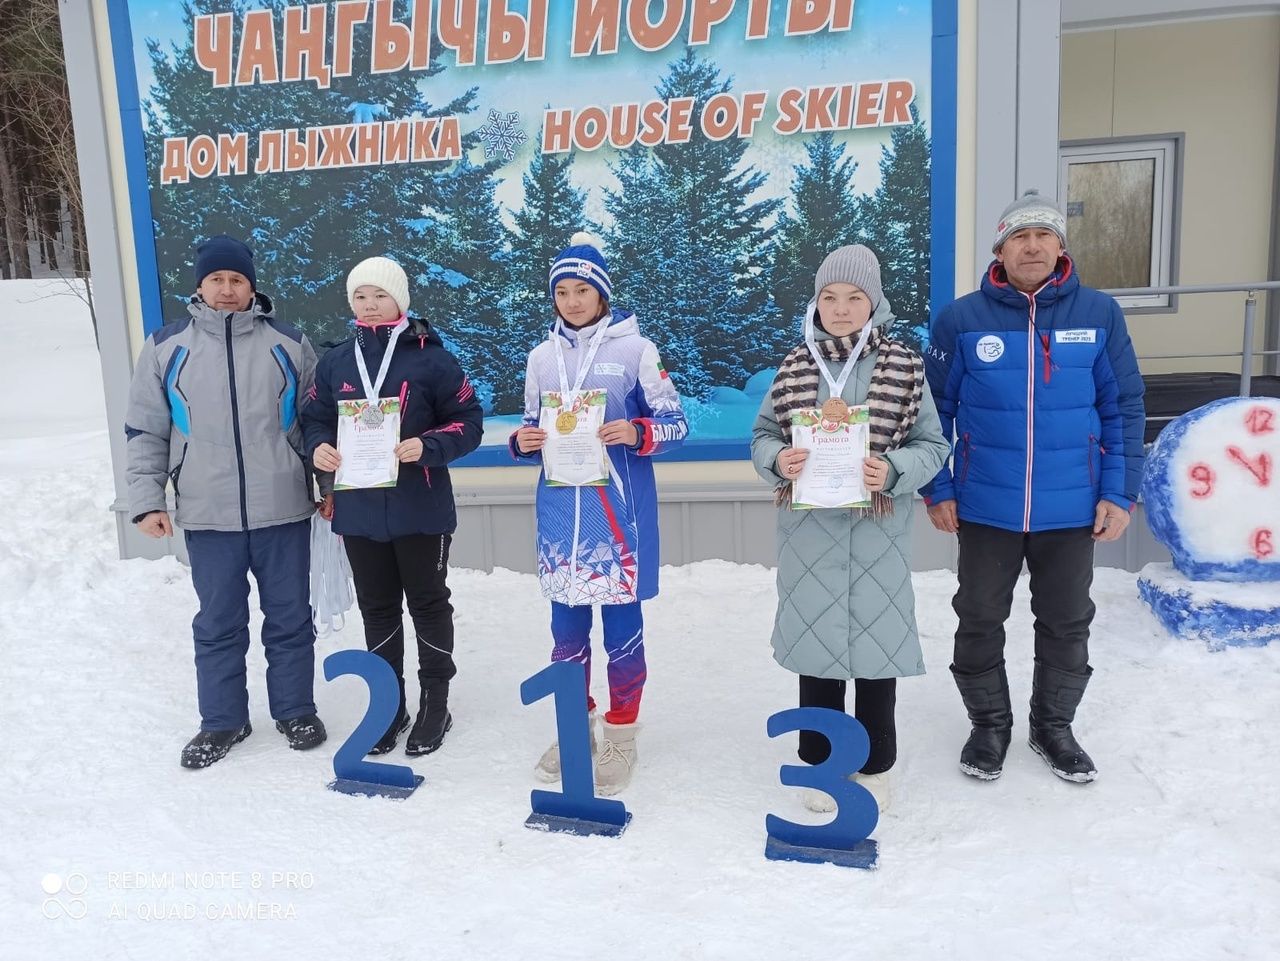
{"type": "Point", "coordinates": [39, 175]}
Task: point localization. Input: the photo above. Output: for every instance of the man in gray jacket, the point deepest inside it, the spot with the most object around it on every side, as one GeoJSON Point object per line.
{"type": "Point", "coordinates": [214, 409]}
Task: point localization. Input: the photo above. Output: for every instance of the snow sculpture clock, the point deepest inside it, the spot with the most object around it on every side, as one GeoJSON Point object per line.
{"type": "Point", "coordinates": [1212, 494]}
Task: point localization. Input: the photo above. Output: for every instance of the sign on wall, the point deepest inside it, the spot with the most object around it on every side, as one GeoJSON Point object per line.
{"type": "Point", "coordinates": [719, 149]}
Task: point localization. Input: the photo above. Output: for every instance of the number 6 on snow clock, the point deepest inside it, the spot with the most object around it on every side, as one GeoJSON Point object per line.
{"type": "Point", "coordinates": [845, 839]}
{"type": "Point", "coordinates": [574, 809]}
{"type": "Point", "coordinates": [353, 774]}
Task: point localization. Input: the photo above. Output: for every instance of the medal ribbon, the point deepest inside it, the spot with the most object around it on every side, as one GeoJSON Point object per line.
{"type": "Point", "coordinates": [836, 384]}
{"type": "Point", "coordinates": [371, 389]}
{"type": "Point", "coordinates": [596, 340]}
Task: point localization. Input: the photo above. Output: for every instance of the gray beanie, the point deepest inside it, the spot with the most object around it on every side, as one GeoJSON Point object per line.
{"type": "Point", "coordinates": [855, 265]}
{"type": "Point", "coordinates": [1030, 210]}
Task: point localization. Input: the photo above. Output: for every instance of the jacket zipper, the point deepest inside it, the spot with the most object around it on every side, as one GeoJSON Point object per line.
{"type": "Point", "coordinates": [964, 467]}
{"type": "Point", "coordinates": [1092, 440]}
{"type": "Point", "coordinates": [404, 410]}
{"type": "Point", "coordinates": [235, 427]}
{"type": "Point", "coordinates": [177, 469]}
{"type": "Point", "coordinates": [1031, 407]}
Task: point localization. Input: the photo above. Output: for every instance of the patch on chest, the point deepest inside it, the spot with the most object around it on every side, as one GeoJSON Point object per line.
{"type": "Point", "coordinates": [989, 349]}
{"type": "Point", "coordinates": [1083, 335]}
{"type": "Point", "coordinates": [603, 369]}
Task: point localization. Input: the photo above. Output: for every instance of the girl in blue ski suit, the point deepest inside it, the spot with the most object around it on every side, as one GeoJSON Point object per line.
{"type": "Point", "coordinates": [599, 545]}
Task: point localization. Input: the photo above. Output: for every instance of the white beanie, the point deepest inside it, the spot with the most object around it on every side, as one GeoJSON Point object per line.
{"type": "Point", "coordinates": [380, 272]}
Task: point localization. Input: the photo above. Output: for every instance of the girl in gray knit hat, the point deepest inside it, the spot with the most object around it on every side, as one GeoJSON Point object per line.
{"type": "Point", "coordinates": [846, 611]}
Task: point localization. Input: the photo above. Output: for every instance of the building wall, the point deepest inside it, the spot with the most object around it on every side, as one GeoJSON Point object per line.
{"type": "Point", "coordinates": [1215, 81]}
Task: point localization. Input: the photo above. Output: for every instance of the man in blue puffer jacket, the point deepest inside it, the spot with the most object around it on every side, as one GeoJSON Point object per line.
{"type": "Point", "coordinates": [1036, 382]}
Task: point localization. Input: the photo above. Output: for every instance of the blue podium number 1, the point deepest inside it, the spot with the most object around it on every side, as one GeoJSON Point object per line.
{"type": "Point", "coordinates": [844, 839]}
{"type": "Point", "coordinates": [355, 775]}
{"type": "Point", "coordinates": [575, 808]}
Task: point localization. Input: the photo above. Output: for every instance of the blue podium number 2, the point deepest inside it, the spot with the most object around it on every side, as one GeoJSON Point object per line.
{"type": "Point", "coordinates": [856, 811]}
{"type": "Point", "coordinates": [349, 764]}
{"type": "Point", "coordinates": [566, 682]}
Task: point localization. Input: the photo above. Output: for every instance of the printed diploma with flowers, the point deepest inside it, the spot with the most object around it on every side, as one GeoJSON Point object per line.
{"type": "Point", "coordinates": [838, 439]}
{"type": "Point", "coordinates": [367, 437]}
{"type": "Point", "coordinates": [574, 455]}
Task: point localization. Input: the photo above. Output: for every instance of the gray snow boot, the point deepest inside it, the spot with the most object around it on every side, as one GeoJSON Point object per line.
{"type": "Point", "coordinates": [617, 758]}
{"type": "Point", "coordinates": [548, 767]}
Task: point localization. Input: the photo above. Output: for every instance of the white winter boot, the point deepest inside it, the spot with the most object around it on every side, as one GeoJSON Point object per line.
{"type": "Point", "coordinates": [617, 758]}
{"type": "Point", "coordinates": [819, 802]}
{"type": "Point", "coordinates": [879, 787]}
{"type": "Point", "coordinates": [548, 768]}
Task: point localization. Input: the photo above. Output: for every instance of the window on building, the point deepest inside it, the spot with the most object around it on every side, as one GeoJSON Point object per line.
{"type": "Point", "coordinates": [1120, 213]}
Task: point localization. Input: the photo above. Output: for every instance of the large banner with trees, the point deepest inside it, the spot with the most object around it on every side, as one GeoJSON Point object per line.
{"type": "Point", "coordinates": [719, 148]}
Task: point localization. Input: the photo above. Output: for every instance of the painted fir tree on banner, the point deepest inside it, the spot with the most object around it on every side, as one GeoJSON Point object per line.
{"type": "Point", "coordinates": [719, 149]}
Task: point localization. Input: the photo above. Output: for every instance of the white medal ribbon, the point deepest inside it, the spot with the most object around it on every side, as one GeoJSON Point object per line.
{"type": "Point", "coordinates": [371, 388]}
{"type": "Point", "coordinates": [596, 340]}
{"type": "Point", "coordinates": [836, 384]}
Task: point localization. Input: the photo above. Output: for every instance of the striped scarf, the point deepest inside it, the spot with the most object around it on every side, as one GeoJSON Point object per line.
{"type": "Point", "coordinates": [893, 396]}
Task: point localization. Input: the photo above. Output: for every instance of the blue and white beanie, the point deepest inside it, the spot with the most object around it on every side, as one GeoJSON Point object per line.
{"type": "Point", "coordinates": [581, 260]}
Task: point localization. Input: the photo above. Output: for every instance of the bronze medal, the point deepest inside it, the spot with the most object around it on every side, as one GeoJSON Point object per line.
{"type": "Point", "coordinates": [836, 410]}
{"type": "Point", "coordinates": [566, 422]}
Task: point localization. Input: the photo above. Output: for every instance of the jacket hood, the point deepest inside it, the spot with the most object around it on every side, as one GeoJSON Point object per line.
{"type": "Point", "coordinates": [422, 330]}
{"type": "Point", "coordinates": [241, 320]}
{"type": "Point", "coordinates": [882, 317]}
{"type": "Point", "coordinates": [1063, 280]}
{"type": "Point", "coordinates": [620, 324]}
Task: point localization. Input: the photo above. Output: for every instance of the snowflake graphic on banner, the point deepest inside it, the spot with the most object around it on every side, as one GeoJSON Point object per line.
{"type": "Point", "coordinates": [501, 135]}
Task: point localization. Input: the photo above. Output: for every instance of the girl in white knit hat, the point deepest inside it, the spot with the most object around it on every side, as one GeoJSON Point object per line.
{"type": "Point", "coordinates": [396, 527]}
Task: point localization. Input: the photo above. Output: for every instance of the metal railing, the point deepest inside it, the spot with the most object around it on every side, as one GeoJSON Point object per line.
{"type": "Point", "coordinates": [1247, 352]}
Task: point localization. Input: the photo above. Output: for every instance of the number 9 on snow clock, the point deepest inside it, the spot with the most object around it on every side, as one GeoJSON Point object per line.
{"type": "Point", "coordinates": [1213, 499]}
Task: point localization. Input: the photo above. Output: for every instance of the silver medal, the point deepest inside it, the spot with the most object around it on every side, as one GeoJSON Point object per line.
{"type": "Point", "coordinates": [372, 416]}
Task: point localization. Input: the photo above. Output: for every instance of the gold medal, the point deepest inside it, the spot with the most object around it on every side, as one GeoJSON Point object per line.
{"type": "Point", "coordinates": [566, 422]}
{"type": "Point", "coordinates": [836, 410]}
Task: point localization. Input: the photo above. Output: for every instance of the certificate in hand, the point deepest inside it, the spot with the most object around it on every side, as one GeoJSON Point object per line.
{"type": "Point", "coordinates": [837, 446]}
{"type": "Point", "coordinates": [574, 456]}
{"type": "Point", "coordinates": [367, 437]}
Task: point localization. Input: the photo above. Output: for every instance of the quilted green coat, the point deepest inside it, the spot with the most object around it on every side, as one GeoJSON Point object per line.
{"type": "Point", "coordinates": [845, 604]}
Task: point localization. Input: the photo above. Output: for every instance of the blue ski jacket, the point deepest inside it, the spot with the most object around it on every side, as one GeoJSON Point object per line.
{"type": "Point", "coordinates": [1042, 397]}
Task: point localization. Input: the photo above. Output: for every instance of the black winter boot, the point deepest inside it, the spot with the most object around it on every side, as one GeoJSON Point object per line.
{"type": "Point", "coordinates": [1055, 695]}
{"type": "Point", "coordinates": [303, 732]}
{"type": "Point", "coordinates": [434, 720]}
{"type": "Point", "coordinates": [388, 740]}
{"type": "Point", "coordinates": [986, 698]}
{"type": "Point", "coordinates": [209, 746]}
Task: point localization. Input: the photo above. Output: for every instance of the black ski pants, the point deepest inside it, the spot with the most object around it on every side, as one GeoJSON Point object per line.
{"type": "Point", "coordinates": [1061, 566]}
{"type": "Point", "coordinates": [873, 706]}
{"type": "Point", "coordinates": [413, 569]}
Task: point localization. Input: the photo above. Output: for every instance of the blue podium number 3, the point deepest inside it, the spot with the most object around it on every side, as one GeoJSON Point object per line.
{"type": "Point", "coordinates": [856, 811]}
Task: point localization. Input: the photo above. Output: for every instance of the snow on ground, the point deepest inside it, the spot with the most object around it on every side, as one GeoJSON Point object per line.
{"type": "Point", "coordinates": [1173, 853]}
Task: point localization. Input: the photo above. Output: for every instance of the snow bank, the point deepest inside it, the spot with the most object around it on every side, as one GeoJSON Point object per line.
{"type": "Point", "coordinates": [1171, 854]}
